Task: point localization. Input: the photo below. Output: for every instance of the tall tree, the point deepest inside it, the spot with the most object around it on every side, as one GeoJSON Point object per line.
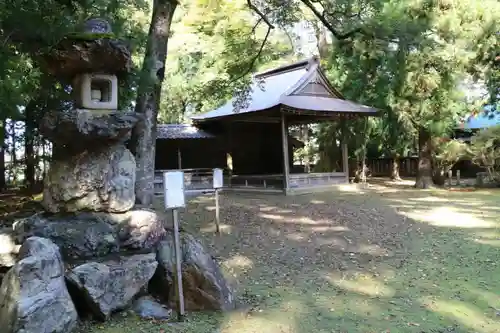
{"type": "Point", "coordinates": [143, 141]}
{"type": "Point", "coordinates": [406, 57]}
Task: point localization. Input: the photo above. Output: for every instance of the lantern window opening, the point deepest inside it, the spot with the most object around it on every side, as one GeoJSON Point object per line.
{"type": "Point", "coordinates": [101, 90]}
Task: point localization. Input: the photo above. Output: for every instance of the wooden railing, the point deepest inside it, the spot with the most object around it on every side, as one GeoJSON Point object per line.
{"type": "Point", "coordinates": [316, 179]}
{"type": "Point", "coordinates": [195, 180]}
{"type": "Point", "coordinates": [256, 181]}
{"type": "Point", "coordinates": [275, 182]}
{"type": "Point", "coordinates": [201, 181]}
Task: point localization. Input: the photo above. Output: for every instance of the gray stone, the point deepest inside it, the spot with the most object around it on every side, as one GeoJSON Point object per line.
{"type": "Point", "coordinates": [79, 236]}
{"type": "Point", "coordinates": [97, 26]}
{"type": "Point", "coordinates": [80, 129]}
{"type": "Point", "coordinates": [87, 235]}
{"type": "Point", "coordinates": [146, 307]}
{"type": "Point", "coordinates": [81, 54]}
{"type": "Point", "coordinates": [110, 286]}
{"type": "Point", "coordinates": [33, 295]}
{"type": "Point", "coordinates": [138, 229]}
{"type": "Point", "coordinates": [94, 181]}
{"type": "Point", "coordinates": [204, 285]}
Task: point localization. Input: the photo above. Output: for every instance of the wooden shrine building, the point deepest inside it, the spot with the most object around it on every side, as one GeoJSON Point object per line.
{"type": "Point", "coordinates": [252, 142]}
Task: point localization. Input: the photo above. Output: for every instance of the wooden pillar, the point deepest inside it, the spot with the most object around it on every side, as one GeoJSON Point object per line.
{"type": "Point", "coordinates": [345, 153]}
{"type": "Point", "coordinates": [179, 158]}
{"type": "Point", "coordinates": [286, 158]}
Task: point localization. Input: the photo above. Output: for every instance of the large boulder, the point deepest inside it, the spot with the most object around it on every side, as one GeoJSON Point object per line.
{"type": "Point", "coordinates": [88, 235]}
{"type": "Point", "coordinates": [204, 285]}
{"type": "Point", "coordinates": [33, 294]}
{"type": "Point", "coordinates": [79, 236]}
{"type": "Point", "coordinates": [100, 180]}
{"type": "Point", "coordinates": [110, 286]}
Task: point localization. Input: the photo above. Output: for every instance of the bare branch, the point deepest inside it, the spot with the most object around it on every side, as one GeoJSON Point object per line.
{"type": "Point", "coordinates": [254, 59]}
{"type": "Point", "coordinates": [261, 14]}
{"type": "Point", "coordinates": [270, 26]}
{"type": "Point", "coordinates": [256, 25]}
{"type": "Point", "coordinates": [7, 38]}
{"type": "Point", "coordinates": [328, 25]}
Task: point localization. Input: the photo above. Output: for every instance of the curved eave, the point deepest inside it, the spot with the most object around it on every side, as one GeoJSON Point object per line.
{"type": "Point", "coordinates": [327, 105]}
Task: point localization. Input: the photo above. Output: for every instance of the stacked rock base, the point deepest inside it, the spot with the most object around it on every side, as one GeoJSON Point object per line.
{"type": "Point", "coordinates": [91, 168]}
{"type": "Point", "coordinates": [93, 264]}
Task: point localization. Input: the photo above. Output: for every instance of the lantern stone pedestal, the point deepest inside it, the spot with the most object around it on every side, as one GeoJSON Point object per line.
{"type": "Point", "coordinates": [91, 252]}
{"type": "Point", "coordinates": [92, 169]}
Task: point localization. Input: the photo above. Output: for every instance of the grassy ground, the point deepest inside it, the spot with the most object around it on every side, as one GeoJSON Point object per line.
{"type": "Point", "coordinates": [386, 258]}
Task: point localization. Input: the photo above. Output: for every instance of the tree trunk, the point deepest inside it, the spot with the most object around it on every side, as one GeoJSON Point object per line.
{"type": "Point", "coordinates": [143, 140]}
{"type": "Point", "coordinates": [424, 171]}
{"type": "Point", "coordinates": [439, 177]}
{"type": "Point", "coordinates": [305, 139]}
{"type": "Point", "coordinates": [29, 142]}
{"type": "Point", "coordinates": [13, 156]}
{"type": "Point", "coordinates": [3, 182]}
{"type": "Point", "coordinates": [395, 168]}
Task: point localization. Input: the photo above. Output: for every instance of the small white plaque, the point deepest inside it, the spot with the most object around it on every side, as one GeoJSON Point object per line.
{"type": "Point", "coordinates": [218, 178]}
{"type": "Point", "coordinates": [173, 184]}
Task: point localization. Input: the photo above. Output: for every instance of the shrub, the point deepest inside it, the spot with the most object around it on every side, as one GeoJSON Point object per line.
{"type": "Point", "coordinates": [446, 154]}
{"type": "Point", "coordinates": [485, 151]}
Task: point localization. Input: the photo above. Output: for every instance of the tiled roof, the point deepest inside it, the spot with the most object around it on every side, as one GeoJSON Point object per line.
{"type": "Point", "coordinates": [302, 85]}
{"type": "Point", "coordinates": [181, 131]}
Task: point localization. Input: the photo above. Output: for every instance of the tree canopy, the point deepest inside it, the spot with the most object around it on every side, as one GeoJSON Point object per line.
{"type": "Point", "coordinates": [412, 59]}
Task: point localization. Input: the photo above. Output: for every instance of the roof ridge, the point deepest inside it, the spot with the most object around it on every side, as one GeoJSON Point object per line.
{"type": "Point", "coordinates": [307, 63]}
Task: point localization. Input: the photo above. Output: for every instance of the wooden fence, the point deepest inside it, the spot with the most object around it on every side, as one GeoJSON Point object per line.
{"type": "Point", "coordinates": [381, 167]}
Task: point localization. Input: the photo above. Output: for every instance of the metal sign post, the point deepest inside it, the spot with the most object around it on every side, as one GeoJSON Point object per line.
{"type": "Point", "coordinates": [173, 185]}
{"type": "Point", "coordinates": [218, 181]}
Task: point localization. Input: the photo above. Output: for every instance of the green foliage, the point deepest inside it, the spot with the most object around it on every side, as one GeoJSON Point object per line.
{"type": "Point", "coordinates": [211, 54]}
{"type": "Point", "coordinates": [486, 65]}
{"type": "Point", "coordinates": [409, 59]}
{"type": "Point", "coordinates": [447, 153]}
{"type": "Point", "coordinates": [485, 150]}
{"type": "Point", "coordinates": [43, 26]}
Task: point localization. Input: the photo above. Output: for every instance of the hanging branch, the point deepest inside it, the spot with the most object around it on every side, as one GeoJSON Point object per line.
{"type": "Point", "coordinates": [270, 26]}
{"type": "Point", "coordinates": [327, 24]}
{"type": "Point", "coordinates": [261, 14]}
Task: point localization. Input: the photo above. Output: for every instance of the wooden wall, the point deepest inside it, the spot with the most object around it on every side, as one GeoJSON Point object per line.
{"type": "Point", "coordinates": [195, 153]}
{"type": "Point", "coordinates": [256, 148]}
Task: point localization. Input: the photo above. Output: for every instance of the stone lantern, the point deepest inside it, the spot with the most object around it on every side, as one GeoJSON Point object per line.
{"type": "Point", "coordinates": [91, 169]}
{"type": "Point", "coordinates": [91, 253]}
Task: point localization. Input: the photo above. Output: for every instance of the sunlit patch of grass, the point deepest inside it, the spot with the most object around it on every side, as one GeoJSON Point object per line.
{"type": "Point", "coordinates": [239, 262]}
{"type": "Point", "coordinates": [364, 285]}
{"type": "Point", "coordinates": [466, 314]}
{"type": "Point", "coordinates": [447, 216]}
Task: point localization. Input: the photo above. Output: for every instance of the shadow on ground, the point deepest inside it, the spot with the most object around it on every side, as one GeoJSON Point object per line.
{"type": "Point", "coordinates": [379, 259]}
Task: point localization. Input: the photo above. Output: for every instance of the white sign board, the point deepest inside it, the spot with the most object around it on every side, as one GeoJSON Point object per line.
{"type": "Point", "coordinates": [173, 186]}
{"type": "Point", "coordinates": [218, 178]}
